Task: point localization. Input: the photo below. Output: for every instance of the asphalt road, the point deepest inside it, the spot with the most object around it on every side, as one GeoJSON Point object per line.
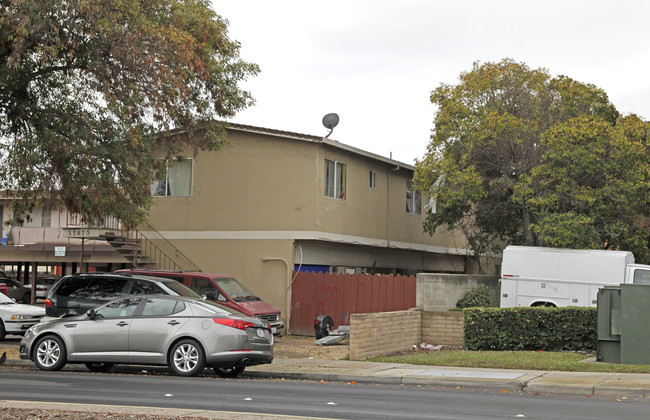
{"type": "Point", "coordinates": [301, 398]}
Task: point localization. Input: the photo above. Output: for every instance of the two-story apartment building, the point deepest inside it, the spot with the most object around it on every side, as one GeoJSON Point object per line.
{"type": "Point", "coordinates": [269, 204]}
{"type": "Point", "coordinates": [276, 202]}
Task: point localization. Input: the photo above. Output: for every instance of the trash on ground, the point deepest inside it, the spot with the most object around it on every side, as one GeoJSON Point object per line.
{"type": "Point", "coordinates": [334, 336]}
{"type": "Point", "coordinates": [431, 347]}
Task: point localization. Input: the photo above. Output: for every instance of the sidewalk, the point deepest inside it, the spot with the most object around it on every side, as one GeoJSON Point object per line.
{"type": "Point", "coordinates": [579, 383]}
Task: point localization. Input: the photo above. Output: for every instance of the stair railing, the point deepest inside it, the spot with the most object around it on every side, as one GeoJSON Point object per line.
{"type": "Point", "coordinates": [148, 249]}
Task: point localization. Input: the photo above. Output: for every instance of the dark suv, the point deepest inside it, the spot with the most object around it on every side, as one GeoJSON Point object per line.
{"type": "Point", "coordinates": [224, 290]}
{"type": "Point", "coordinates": [75, 294]}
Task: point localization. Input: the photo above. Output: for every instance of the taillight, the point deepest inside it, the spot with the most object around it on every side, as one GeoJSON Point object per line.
{"type": "Point", "coordinates": [234, 323]}
{"type": "Point", "coordinates": [48, 302]}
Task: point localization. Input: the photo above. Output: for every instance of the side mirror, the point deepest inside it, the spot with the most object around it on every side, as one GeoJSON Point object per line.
{"type": "Point", "coordinates": [91, 313]}
{"type": "Point", "coordinates": [211, 295]}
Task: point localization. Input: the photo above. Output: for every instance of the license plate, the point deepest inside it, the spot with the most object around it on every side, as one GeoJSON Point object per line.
{"type": "Point", "coordinates": [274, 330]}
{"type": "Point", "coordinates": [260, 332]}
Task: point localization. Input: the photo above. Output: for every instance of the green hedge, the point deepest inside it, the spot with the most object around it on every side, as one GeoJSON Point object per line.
{"type": "Point", "coordinates": [539, 328]}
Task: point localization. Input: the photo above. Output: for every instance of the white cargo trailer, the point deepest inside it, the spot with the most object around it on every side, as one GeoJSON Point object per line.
{"type": "Point", "coordinates": [538, 276]}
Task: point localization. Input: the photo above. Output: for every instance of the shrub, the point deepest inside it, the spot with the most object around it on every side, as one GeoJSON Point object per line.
{"type": "Point", "coordinates": [477, 297]}
{"type": "Point", "coordinates": [539, 328]}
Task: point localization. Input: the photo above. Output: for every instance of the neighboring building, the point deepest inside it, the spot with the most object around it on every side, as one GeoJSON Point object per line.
{"type": "Point", "coordinates": [41, 245]}
{"type": "Point", "coordinates": [274, 202]}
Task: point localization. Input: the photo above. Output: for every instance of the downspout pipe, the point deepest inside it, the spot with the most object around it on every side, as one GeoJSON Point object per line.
{"type": "Point", "coordinates": [288, 290]}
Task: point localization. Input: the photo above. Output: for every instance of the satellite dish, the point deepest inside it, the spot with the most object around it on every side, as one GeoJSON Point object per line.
{"type": "Point", "coordinates": [330, 121]}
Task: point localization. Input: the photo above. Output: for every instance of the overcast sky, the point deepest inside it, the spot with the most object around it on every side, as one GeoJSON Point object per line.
{"type": "Point", "coordinates": [375, 62]}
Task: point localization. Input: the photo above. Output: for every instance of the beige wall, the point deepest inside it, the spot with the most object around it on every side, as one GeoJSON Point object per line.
{"type": "Point", "coordinates": [245, 260]}
{"type": "Point", "coordinates": [254, 199]}
{"type": "Point", "coordinates": [256, 184]}
{"type": "Point", "coordinates": [266, 183]}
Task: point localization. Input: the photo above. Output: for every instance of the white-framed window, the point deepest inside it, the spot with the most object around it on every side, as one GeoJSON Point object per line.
{"type": "Point", "coordinates": [413, 199]}
{"type": "Point", "coordinates": [335, 179]}
{"type": "Point", "coordinates": [174, 179]}
{"type": "Point", "coordinates": [39, 218]}
{"type": "Point", "coordinates": [373, 179]}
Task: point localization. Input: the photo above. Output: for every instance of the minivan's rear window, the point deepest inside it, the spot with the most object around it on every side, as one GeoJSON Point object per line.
{"type": "Point", "coordinates": [142, 287]}
{"type": "Point", "coordinates": [103, 289]}
{"type": "Point", "coordinates": [96, 288]}
{"type": "Point", "coordinates": [72, 286]}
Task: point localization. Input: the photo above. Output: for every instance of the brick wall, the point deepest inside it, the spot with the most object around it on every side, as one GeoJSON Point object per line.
{"type": "Point", "coordinates": [381, 333]}
{"type": "Point", "coordinates": [376, 334]}
{"type": "Point", "coordinates": [443, 327]}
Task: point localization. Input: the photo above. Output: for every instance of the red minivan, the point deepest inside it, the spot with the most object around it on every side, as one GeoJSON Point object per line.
{"type": "Point", "coordinates": [227, 291]}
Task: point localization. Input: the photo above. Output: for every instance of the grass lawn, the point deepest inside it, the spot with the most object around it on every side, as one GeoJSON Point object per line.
{"type": "Point", "coordinates": [527, 360]}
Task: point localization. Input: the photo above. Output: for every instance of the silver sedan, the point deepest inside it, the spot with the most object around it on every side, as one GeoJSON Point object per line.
{"type": "Point", "coordinates": [185, 334]}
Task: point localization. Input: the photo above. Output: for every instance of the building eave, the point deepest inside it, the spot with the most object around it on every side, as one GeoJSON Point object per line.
{"type": "Point", "coordinates": [321, 140]}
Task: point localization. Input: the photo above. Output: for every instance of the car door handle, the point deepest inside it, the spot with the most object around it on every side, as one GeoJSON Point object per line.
{"type": "Point", "coordinates": [122, 324]}
{"type": "Point", "coordinates": [173, 322]}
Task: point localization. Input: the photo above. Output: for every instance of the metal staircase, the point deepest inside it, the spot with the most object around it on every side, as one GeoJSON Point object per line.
{"type": "Point", "coordinates": [148, 250]}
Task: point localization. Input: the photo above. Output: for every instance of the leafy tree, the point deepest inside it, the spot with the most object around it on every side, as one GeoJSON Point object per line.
{"type": "Point", "coordinates": [86, 85]}
{"type": "Point", "coordinates": [509, 140]}
{"type": "Point", "coordinates": [590, 189]}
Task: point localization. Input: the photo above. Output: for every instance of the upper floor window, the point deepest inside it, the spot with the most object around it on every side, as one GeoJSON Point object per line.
{"type": "Point", "coordinates": [373, 179]}
{"type": "Point", "coordinates": [38, 218]}
{"type": "Point", "coordinates": [335, 179]}
{"type": "Point", "coordinates": [174, 179]}
{"type": "Point", "coordinates": [413, 199]}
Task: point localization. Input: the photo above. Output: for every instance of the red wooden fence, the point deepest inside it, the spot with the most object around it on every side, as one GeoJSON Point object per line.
{"type": "Point", "coordinates": [339, 295]}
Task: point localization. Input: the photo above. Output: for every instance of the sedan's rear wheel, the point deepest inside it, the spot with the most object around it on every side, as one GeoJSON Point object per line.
{"type": "Point", "coordinates": [186, 358]}
{"type": "Point", "coordinates": [230, 372]}
{"type": "Point", "coordinates": [50, 353]}
{"type": "Point", "coordinates": [100, 367]}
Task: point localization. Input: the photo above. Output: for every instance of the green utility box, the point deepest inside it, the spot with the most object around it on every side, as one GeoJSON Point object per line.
{"type": "Point", "coordinates": [624, 324]}
{"type": "Point", "coordinates": [608, 324]}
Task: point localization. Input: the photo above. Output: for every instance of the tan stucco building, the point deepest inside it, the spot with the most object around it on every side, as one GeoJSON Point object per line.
{"type": "Point", "coordinates": [274, 202]}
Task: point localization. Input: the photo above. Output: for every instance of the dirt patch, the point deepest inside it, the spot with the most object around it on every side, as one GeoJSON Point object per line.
{"type": "Point", "coordinates": [301, 347]}
{"type": "Point", "coordinates": [11, 353]}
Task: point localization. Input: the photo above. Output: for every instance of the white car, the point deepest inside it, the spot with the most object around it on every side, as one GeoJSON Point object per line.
{"type": "Point", "coordinates": [16, 318]}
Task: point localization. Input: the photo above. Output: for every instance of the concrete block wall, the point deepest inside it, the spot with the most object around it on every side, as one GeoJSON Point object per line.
{"type": "Point", "coordinates": [375, 334]}
{"type": "Point", "coordinates": [443, 327]}
{"type": "Point", "coordinates": [440, 292]}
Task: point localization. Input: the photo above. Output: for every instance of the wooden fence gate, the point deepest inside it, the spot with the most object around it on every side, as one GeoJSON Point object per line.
{"type": "Point", "coordinates": [339, 295]}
